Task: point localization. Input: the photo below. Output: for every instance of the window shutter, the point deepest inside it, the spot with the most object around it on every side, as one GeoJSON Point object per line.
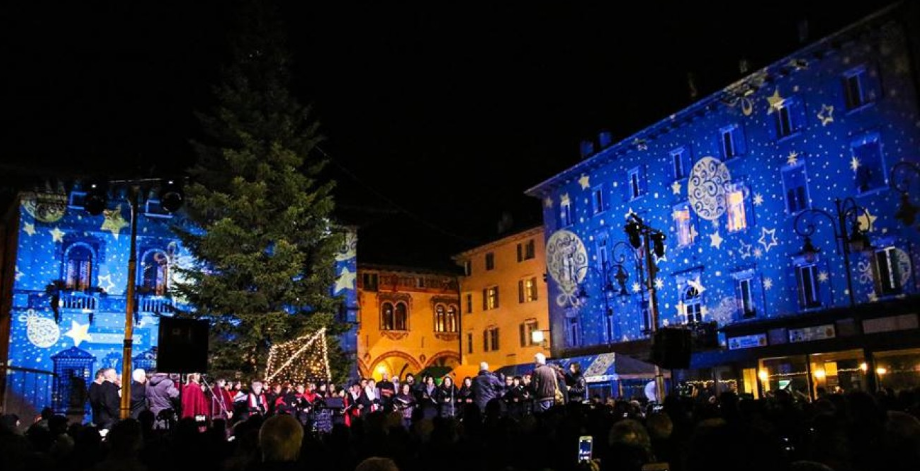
{"type": "Point", "coordinates": [520, 253]}
{"type": "Point", "coordinates": [485, 340]}
{"type": "Point", "coordinates": [523, 329]}
{"type": "Point", "coordinates": [520, 291]}
{"type": "Point", "coordinates": [496, 297]}
{"type": "Point", "coordinates": [485, 299]}
{"type": "Point", "coordinates": [534, 289]}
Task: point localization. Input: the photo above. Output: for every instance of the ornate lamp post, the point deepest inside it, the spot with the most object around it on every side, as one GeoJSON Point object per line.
{"type": "Point", "coordinates": [847, 229]}
{"type": "Point", "coordinates": [171, 199]}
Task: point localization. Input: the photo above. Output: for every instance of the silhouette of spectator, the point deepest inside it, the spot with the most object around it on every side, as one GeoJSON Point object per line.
{"type": "Point", "coordinates": [280, 438]}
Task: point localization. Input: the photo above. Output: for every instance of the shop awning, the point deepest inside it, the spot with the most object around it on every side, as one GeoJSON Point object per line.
{"type": "Point", "coordinates": [596, 368]}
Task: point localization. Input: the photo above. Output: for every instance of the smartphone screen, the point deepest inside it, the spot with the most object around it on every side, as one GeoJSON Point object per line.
{"type": "Point", "coordinates": [585, 448]}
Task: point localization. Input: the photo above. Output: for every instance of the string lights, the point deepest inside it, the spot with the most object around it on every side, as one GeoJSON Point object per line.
{"type": "Point", "coordinates": [299, 360]}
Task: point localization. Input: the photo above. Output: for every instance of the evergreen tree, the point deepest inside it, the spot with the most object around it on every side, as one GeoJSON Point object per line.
{"type": "Point", "coordinates": [266, 248]}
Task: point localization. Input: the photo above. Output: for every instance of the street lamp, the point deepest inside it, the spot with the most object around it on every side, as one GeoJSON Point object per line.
{"type": "Point", "coordinates": [96, 200]}
{"type": "Point", "coordinates": [649, 239]}
{"type": "Point", "coordinates": [847, 229]}
{"type": "Point", "coordinates": [907, 211]}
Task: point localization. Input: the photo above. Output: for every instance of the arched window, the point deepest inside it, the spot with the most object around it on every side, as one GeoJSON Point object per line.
{"type": "Point", "coordinates": [155, 272]}
{"type": "Point", "coordinates": [401, 317]}
{"type": "Point", "coordinates": [386, 317]}
{"type": "Point", "coordinates": [693, 305]}
{"type": "Point", "coordinates": [78, 268]}
{"type": "Point", "coordinates": [440, 318]}
{"type": "Point", "coordinates": [452, 318]}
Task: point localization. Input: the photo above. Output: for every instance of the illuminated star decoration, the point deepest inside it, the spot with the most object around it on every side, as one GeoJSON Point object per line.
{"type": "Point", "coordinates": [57, 235]}
{"type": "Point", "coordinates": [584, 181]}
{"type": "Point", "coordinates": [695, 284]}
{"type": "Point", "coordinates": [823, 277]}
{"type": "Point", "coordinates": [564, 200]}
{"type": "Point", "coordinates": [774, 100]}
{"type": "Point", "coordinates": [18, 274]}
{"type": "Point", "coordinates": [346, 280]}
{"type": "Point", "coordinates": [793, 158]}
{"type": "Point", "coordinates": [767, 283]}
{"type": "Point", "coordinates": [548, 202]}
{"type": "Point", "coordinates": [854, 163]}
{"type": "Point", "coordinates": [659, 283]}
{"type": "Point", "coordinates": [767, 243]}
{"type": "Point", "coordinates": [826, 115]}
{"type": "Point", "coordinates": [29, 228]}
{"type": "Point", "coordinates": [113, 221]}
{"type": "Point", "coordinates": [108, 286]}
{"type": "Point", "coordinates": [715, 240]}
{"type": "Point", "coordinates": [675, 187]}
{"type": "Point", "coordinates": [866, 220]}
{"type": "Point", "coordinates": [745, 250]}
{"type": "Point", "coordinates": [636, 287]}
{"type": "Point", "coordinates": [758, 199]}
{"type": "Point", "coordinates": [79, 333]}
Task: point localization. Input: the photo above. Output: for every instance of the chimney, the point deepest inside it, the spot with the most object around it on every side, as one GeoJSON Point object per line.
{"type": "Point", "coordinates": [691, 83]}
{"type": "Point", "coordinates": [505, 223]}
{"type": "Point", "coordinates": [744, 66]}
{"type": "Point", "coordinates": [604, 139]}
{"type": "Point", "coordinates": [803, 31]}
{"type": "Point", "coordinates": [587, 148]}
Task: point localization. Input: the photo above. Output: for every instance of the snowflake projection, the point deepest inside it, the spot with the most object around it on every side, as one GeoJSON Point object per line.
{"type": "Point", "coordinates": [864, 272]}
{"type": "Point", "coordinates": [706, 188]}
{"type": "Point", "coordinates": [724, 311]}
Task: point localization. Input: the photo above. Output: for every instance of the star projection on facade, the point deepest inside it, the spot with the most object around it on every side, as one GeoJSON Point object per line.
{"type": "Point", "coordinates": [766, 242]}
{"type": "Point", "coordinates": [584, 181]}
{"type": "Point", "coordinates": [758, 199]}
{"type": "Point", "coordinates": [866, 220]}
{"type": "Point", "coordinates": [57, 235]}
{"type": "Point", "coordinates": [715, 240]}
{"type": "Point", "coordinates": [565, 200]}
{"type": "Point", "coordinates": [793, 158]}
{"type": "Point", "coordinates": [548, 202]}
{"type": "Point", "coordinates": [29, 228]}
{"type": "Point", "coordinates": [105, 282]}
{"type": "Point", "coordinates": [675, 187]}
{"type": "Point", "coordinates": [636, 287]}
{"type": "Point", "coordinates": [823, 277]}
{"type": "Point", "coordinates": [745, 250]}
{"type": "Point", "coordinates": [768, 283]}
{"type": "Point", "coordinates": [114, 222]}
{"type": "Point", "coordinates": [854, 164]}
{"type": "Point", "coordinates": [79, 333]}
{"type": "Point", "coordinates": [774, 101]}
{"type": "Point", "coordinates": [826, 115]}
{"type": "Point", "coordinates": [659, 283]}
{"type": "Point", "coordinates": [346, 280]}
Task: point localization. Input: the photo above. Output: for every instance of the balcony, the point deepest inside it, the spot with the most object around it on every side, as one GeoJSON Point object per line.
{"type": "Point", "coordinates": [154, 304]}
{"type": "Point", "coordinates": [79, 300]}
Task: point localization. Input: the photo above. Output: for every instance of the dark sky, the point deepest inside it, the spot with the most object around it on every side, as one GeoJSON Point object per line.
{"type": "Point", "coordinates": [438, 115]}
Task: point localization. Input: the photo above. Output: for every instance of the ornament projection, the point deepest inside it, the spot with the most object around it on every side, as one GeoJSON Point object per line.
{"type": "Point", "coordinates": [745, 161]}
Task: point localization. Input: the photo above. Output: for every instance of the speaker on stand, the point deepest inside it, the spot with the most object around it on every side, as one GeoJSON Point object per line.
{"type": "Point", "coordinates": [183, 346]}
{"type": "Point", "coordinates": [671, 348]}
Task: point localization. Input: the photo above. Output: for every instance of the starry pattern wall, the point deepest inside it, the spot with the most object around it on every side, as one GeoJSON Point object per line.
{"type": "Point", "coordinates": [796, 120]}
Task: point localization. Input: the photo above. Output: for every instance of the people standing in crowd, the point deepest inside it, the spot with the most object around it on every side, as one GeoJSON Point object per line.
{"type": "Point", "coordinates": [466, 392]}
{"type": "Point", "coordinates": [405, 403]}
{"type": "Point", "coordinates": [256, 402]}
{"type": "Point", "coordinates": [514, 398]}
{"type": "Point", "coordinates": [271, 395]}
{"type": "Point", "coordinates": [194, 402]}
{"type": "Point", "coordinates": [486, 387]}
{"type": "Point", "coordinates": [372, 395]}
{"type": "Point", "coordinates": [427, 397]}
{"type": "Point", "coordinates": [280, 441]}
{"type": "Point", "coordinates": [221, 400]}
{"type": "Point", "coordinates": [138, 392]}
{"type": "Point", "coordinates": [109, 400]}
{"type": "Point", "coordinates": [544, 384]}
{"type": "Point", "coordinates": [94, 395]}
{"type": "Point", "coordinates": [161, 396]}
{"type": "Point", "coordinates": [578, 387]}
{"type": "Point", "coordinates": [387, 392]}
{"type": "Point", "coordinates": [447, 397]}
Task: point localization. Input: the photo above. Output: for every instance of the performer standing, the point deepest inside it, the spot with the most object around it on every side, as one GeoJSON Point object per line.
{"type": "Point", "coordinates": [194, 402]}
{"type": "Point", "coordinates": [221, 401]}
{"type": "Point", "coordinates": [256, 403]}
{"type": "Point", "coordinates": [404, 403]}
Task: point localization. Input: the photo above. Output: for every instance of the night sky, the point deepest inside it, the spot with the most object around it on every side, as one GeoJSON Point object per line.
{"type": "Point", "coordinates": [437, 118]}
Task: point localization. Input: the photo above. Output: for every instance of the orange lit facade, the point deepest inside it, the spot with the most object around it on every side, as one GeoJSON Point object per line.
{"type": "Point", "coordinates": [409, 321]}
{"type": "Point", "coordinates": [503, 300]}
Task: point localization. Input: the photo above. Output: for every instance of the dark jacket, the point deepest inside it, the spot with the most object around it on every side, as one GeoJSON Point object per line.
{"type": "Point", "coordinates": [578, 388]}
{"type": "Point", "coordinates": [543, 381]}
{"type": "Point", "coordinates": [486, 386]}
{"type": "Point", "coordinates": [138, 398]}
{"type": "Point", "coordinates": [109, 404]}
{"type": "Point", "coordinates": [161, 391]}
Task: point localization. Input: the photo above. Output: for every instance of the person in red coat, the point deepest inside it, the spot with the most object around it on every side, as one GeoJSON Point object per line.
{"type": "Point", "coordinates": [194, 402]}
{"type": "Point", "coordinates": [221, 401]}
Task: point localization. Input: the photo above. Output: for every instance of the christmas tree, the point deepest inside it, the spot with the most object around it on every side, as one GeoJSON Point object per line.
{"type": "Point", "coordinates": [266, 246]}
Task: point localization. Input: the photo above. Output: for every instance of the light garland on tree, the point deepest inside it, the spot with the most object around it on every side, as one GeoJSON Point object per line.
{"type": "Point", "coordinates": [298, 360]}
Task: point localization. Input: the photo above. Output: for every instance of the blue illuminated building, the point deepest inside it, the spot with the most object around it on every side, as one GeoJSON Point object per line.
{"type": "Point", "coordinates": [62, 294]}
{"type": "Point", "coordinates": [726, 180]}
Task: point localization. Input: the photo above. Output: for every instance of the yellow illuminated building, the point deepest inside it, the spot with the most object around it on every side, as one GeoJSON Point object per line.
{"type": "Point", "coordinates": [503, 300]}
{"type": "Point", "coordinates": [409, 321]}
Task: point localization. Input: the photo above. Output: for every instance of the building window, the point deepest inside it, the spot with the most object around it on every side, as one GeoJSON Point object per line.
{"type": "Point", "coordinates": [795, 184]}
{"type": "Point", "coordinates": [469, 342]}
{"type": "Point", "coordinates": [679, 163]}
{"type": "Point", "coordinates": [420, 282]}
{"type": "Point", "coordinates": [807, 278]}
{"type": "Point", "coordinates": [527, 290]}
{"type": "Point", "coordinates": [732, 141]}
{"type": "Point", "coordinates": [637, 183]}
{"type": "Point", "coordinates": [393, 316]}
{"type": "Point", "coordinates": [693, 305]}
{"type": "Point", "coordinates": [78, 268]}
{"type": "Point", "coordinates": [445, 318]}
{"type": "Point", "coordinates": [155, 272]}
{"type": "Point", "coordinates": [490, 298]}
{"type": "Point", "coordinates": [597, 200]}
{"type": "Point", "coordinates": [867, 163]}
{"type": "Point", "coordinates": [490, 339]}
{"type": "Point", "coordinates": [854, 85]}
{"type": "Point", "coordinates": [572, 334]}
{"type": "Point", "coordinates": [888, 270]}
{"type": "Point", "coordinates": [369, 281]}
{"type": "Point", "coordinates": [737, 219]}
{"type": "Point", "coordinates": [602, 254]}
{"type": "Point", "coordinates": [684, 225]}
{"type": "Point", "coordinates": [469, 303]}
{"type": "Point", "coordinates": [608, 325]}
{"type": "Point", "coordinates": [746, 298]}
{"type": "Point", "coordinates": [490, 261]}
{"type": "Point", "coordinates": [526, 330]}
{"type": "Point", "coordinates": [467, 267]}
{"type": "Point", "coordinates": [565, 213]}
{"type": "Point", "coordinates": [526, 251]}
{"type": "Point", "coordinates": [788, 117]}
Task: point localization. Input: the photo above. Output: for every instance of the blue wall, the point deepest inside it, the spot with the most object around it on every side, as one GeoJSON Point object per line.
{"type": "Point", "coordinates": [812, 83]}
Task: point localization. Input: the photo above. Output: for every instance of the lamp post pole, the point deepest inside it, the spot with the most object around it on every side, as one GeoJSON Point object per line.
{"type": "Point", "coordinates": [635, 227]}
{"type": "Point", "coordinates": [907, 211]}
{"type": "Point", "coordinates": [126, 370]}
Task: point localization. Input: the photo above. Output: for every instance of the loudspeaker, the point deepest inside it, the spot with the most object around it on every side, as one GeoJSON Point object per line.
{"type": "Point", "coordinates": [183, 346]}
{"type": "Point", "coordinates": [671, 348]}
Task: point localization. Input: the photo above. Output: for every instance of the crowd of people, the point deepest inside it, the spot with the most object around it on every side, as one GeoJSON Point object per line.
{"type": "Point", "coordinates": [485, 423]}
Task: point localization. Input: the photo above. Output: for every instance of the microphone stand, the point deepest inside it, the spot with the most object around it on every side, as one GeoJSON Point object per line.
{"type": "Point", "coordinates": [223, 409]}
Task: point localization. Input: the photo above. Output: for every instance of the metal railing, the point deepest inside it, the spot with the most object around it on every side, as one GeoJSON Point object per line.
{"type": "Point", "coordinates": [78, 300]}
{"type": "Point", "coordinates": [26, 392]}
